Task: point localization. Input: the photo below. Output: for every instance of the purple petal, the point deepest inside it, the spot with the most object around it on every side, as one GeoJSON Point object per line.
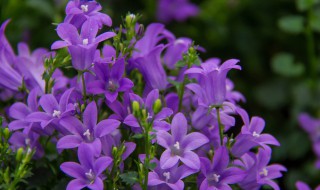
{"type": "Point", "coordinates": [96, 87]}
{"type": "Point", "coordinates": [97, 185]}
{"type": "Point", "coordinates": [117, 70]}
{"type": "Point", "coordinates": [106, 127]}
{"type": "Point", "coordinates": [69, 141]}
{"type": "Point", "coordinates": [168, 161]}
{"type": "Point", "coordinates": [154, 179]}
{"type": "Point", "coordinates": [164, 113]}
{"type": "Point", "coordinates": [220, 159]}
{"type": "Point", "coordinates": [77, 184]}
{"type": "Point", "coordinates": [111, 96]}
{"type": "Point", "coordinates": [179, 126]}
{"type": "Point", "coordinates": [89, 30]}
{"type": "Point", "coordinates": [164, 139]}
{"type": "Point", "coordinates": [18, 124]}
{"type": "Point", "coordinates": [268, 139]}
{"type": "Point", "coordinates": [194, 140]}
{"type": "Point", "coordinates": [19, 111]}
{"type": "Point", "coordinates": [85, 156]}
{"type": "Point", "coordinates": [101, 164]}
{"type": "Point", "coordinates": [90, 116]}
{"type": "Point", "coordinates": [191, 160]}
{"type": "Point", "coordinates": [38, 117]}
{"type": "Point", "coordinates": [151, 98]}
{"type": "Point", "coordinates": [104, 36]}
{"type": "Point", "coordinates": [68, 33]}
{"type": "Point", "coordinates": [302, 186]}
{"type": "Point", "coordinates": [72, 169]}
{"type": "Point", "coordinates": [49, 103]}
{"type": "Point", "coordinates": [125, 84]}
{"type": "Point", "coordinates": [131, 121]}
{"type": "Point", "coordinates": [59, 44]}
{"type": "Point", "coordinates": [130, 147]}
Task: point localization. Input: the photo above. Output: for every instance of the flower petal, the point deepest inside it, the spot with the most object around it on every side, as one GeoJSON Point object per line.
{"type": "Point", "coordinates": [106, 127]}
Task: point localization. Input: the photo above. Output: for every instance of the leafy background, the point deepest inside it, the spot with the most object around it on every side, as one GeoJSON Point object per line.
{"type": "Point", "coordinates": [277, 42]}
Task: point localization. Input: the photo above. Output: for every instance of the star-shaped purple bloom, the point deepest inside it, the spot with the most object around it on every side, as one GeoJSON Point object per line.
{"type": "Point", "coordinates": [110, 80]}
{"type": "Point", "coordinates": [78, 11]}
{"type": "Point", "coordinates": [87, 132]}
{"type": "Point", "coordinates": [89, 172]}
{"type": "Point", "coordinates": [82, 48]}
{"type": "Point", "coordinates": [180, 145]}
{"type": "Point", "coordinates": [170, 178]}
{"type": "Point", "coordinates": [216, 174]}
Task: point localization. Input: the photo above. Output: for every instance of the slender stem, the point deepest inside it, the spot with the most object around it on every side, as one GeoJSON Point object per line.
{"type": "Point", "coordinates": [221, 127]}
{"type": "Point", "coordinates": [311, 48]}
{"type": "Point", "coordinates": [182, 87]}
{"type": "Point", "coordinates": [147, 159]}
{"type": "Point", "coordinates": [84, 89]}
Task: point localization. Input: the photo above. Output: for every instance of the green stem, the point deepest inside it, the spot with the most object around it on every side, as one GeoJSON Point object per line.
{"type": "Point", "coordinates": [221, 127]}
{"type": "Point", "coordinates": [147, 160]}
{"type": "Point", "coordinates": [311, 48]}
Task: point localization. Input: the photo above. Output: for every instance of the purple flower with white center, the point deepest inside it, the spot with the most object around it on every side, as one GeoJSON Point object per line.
{"type": "Point", "coordinates": [251, 135]}
{"type": "Point", "coordinates": [21, 139]}
{"type": "Point", "coordinates": [179, 145]}
{"type": "Point", "coordinates": [216, 174]}
{"type": "Point", "coordinates": [20, 111]}
{"type": "Point", "coordinates": [110, 80]}
{"type": "Point", "coordinates": [89, 172]}
{"type": "Point", "coordinates": [258, 171]}
{"type": "Point", "coordinates": [87, 132]}
{"type": "Point", "coordinates": [82, 48]}
{"type": "Point", "coordinates": [211, 89]}
{"type": "Point", "coordinates": [53, 111]}
{"type": "Point", "coordinates": [157, 119]}
{"type": "Point", "coordinates": [79, 11]}
{"type": "Point", "coordinates": [178, 10]}
{"type": "Point", "coordinates": [170, 178]}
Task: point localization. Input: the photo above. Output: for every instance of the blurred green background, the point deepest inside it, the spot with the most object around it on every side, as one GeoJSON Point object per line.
{"type": "Point", "coordinates": [277, 42]}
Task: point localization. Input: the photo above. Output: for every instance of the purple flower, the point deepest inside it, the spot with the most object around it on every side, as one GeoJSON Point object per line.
{"type": "Point", "coordinates": [251, 135]}
{"type": "Point", "coordinates": [178, 10]}
{"type": "Point", "coordinates": [157, 119]}
{"type": "Point", "coordinates": [89, 172]}
{"type": "Point", "coordinates": [110, 80]}
{"type": "Point", "coordinates": [311, 126]}
{"type": "Point", "coordinates": [82, 48]}
{"type": "Point", "coordinates": [211, 89]}
{"type": "Point", "coordinates": [303, 186]}
{"type": "Point", "coordinates": [258, 171]}
{"type": "Point", "coordinates": [216, 174]}
{"type": "Point", "coordinates": [53, 111]}
{"type": "Point", "coordinates": [179, 145]}
{"type": "Point", "coordinates": [87, 132]}
{"type": "Point", "coordinates": [170, 178]}
{"type": "Point", "coordinates": [175, 51]}
{"type": "Point", "coordinates": [79, 11]}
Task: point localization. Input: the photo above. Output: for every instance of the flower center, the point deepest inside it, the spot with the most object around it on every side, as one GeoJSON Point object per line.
{"type": "Point", "coordinates": [216, 177]}
{"type": "Point", "coordinates": [255, 134]}
{"type": "Point", "coordinates": [264, 172]}
{"type": "Point", "coordinates": [85, 41]}
{"type": "Point", "coordinates": [167, 176]}
{"type": "Point", "coordinates": [84, 8]}
{"type": "Point", "coordinates": [177, 145]}
{"type": "Point", "coordinates": [56, 113]}
{"type": "Point", "coordinates": [176, 149]}
{"type": "Point", "coordinates": [27, 141]}
{"type": "Point", "coordinates": [90, 176]}
{"type": "Point", "coordinates": [87, 134]}
{"type": "Point", "coordinates": [112, 86]}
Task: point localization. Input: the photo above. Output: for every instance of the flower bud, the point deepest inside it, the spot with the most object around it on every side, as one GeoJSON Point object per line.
{"type": "Point", "coordinates": [19, 154]}
{"type": "Point", "coordinates": [6, 133]}
{"type": "Point", "coordinates": [130, 19]}
{"type": "Point", "coordinates": [135, 107]}
{"type": "Point", "coordinates": [157, 106]}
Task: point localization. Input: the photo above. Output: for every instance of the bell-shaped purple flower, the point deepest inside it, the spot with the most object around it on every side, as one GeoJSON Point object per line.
{"type": "Point", "coordinates": [110, 80]}
{"type": "Point", "coordinates": [89, 172]}
{"type": "Point", "coordinates": [82, 48]}
{"type": "Point", "coordinates": [216, 174]}
{"type": "Point", "coordinates": [211, 89]}
{"type": "Point", "coordinates": [79, 11]}
{"type": "Point", "coordinates": [87, 132]}
{"type": "Point", "coordinates": [179, 145]}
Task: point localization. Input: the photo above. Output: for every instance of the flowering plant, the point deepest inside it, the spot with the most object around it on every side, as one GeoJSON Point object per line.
{"type": "Point", "coordinates": [133, 108]}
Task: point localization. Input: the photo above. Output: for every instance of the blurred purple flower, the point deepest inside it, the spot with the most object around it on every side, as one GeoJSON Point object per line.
{"type": "Point", "coordinates": [178, 10]}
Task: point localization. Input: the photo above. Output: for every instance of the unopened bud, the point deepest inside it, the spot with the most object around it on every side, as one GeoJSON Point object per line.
{"type": "Point", "coordinates": [6, 133]}
{"type": "Point", "coordinates": [144, 114]}
{"type": "Point", "coordinates": [135, 107]}
{"type": "Point", "coordinates": [130, 19]}
{"type": "Point", "coordinates": [114, 151]}
{"type": "Point", "coordinates": [19, 154]}
{"type": "Point", "coordinates": [157, 106]}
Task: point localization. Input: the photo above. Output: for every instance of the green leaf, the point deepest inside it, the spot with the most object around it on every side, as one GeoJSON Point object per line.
{"type": "Point", "coordinates": [283, 64]}
{"type": "Point", "coordinates": [129, 178]}
{"type": "Point", "coordinates": [315, 21]}
{"type": "Point", "coordinates": [152, 165]}
{"type": "Point", "coordinates": [303, 5]}
{"type": "Point", "coordinates": [137, 136]}
{"type": "Point", "coordinates": [293, 24]}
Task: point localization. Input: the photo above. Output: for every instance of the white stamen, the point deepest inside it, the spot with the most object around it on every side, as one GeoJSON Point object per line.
{"type": "Point", "coordinates": [216, 177]}
{"type": "Point", "coordinates": [85, 41]}
{"type": "Point", "coordinates": [255, 134]}
{"type": "Point", "coordinates": [90, 175]}
{"type": "Point", "coordinates": [84, 8]}
{"type": "Point", "coordinates": [132, 16]}
{"type": "Point", "coordinates": [264, 172]}
{"type": "Point", "coordinates": [177, 145]}
{"type": "Point", "coordinates": [27, 141]}
{"type": "Point", "coordinates": [92, 65]}
{"type": "Point", "coordinates": [56, 113]}
{"type": "Point", "coordinates": [167, 175]}
{"type": "Point", "coordinates": [149, 116]}
{"type": "Point", "coordinates": [87, 134]}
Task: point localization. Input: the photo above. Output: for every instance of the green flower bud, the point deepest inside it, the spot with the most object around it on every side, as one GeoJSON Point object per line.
{"type": "Point", "coordinates": [135, 107]}
{"type": "Point", "coordinates": [6, 133]}
{"type": "Point", "coordinates": [114, 151]}
{"type": "Point", "coordinates": [130, 19]}
{"type": "Point", "coordinates": [157, 106]}
{"type": "Point", "coordinates": [144, 114]}
{"type": "Point", "coordinates": [19, 154]}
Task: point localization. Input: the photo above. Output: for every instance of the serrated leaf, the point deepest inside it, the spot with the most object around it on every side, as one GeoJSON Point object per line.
{"type": "Point", "coordinates": [283, 64]}
{"type": "Point", "coordinates": [129, 178]}
{"type": "Point", "coordinates": [293, 24]}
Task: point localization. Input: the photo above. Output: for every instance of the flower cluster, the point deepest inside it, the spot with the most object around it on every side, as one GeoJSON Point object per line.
{"type": "Point", "coordinates": [148, 97]}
